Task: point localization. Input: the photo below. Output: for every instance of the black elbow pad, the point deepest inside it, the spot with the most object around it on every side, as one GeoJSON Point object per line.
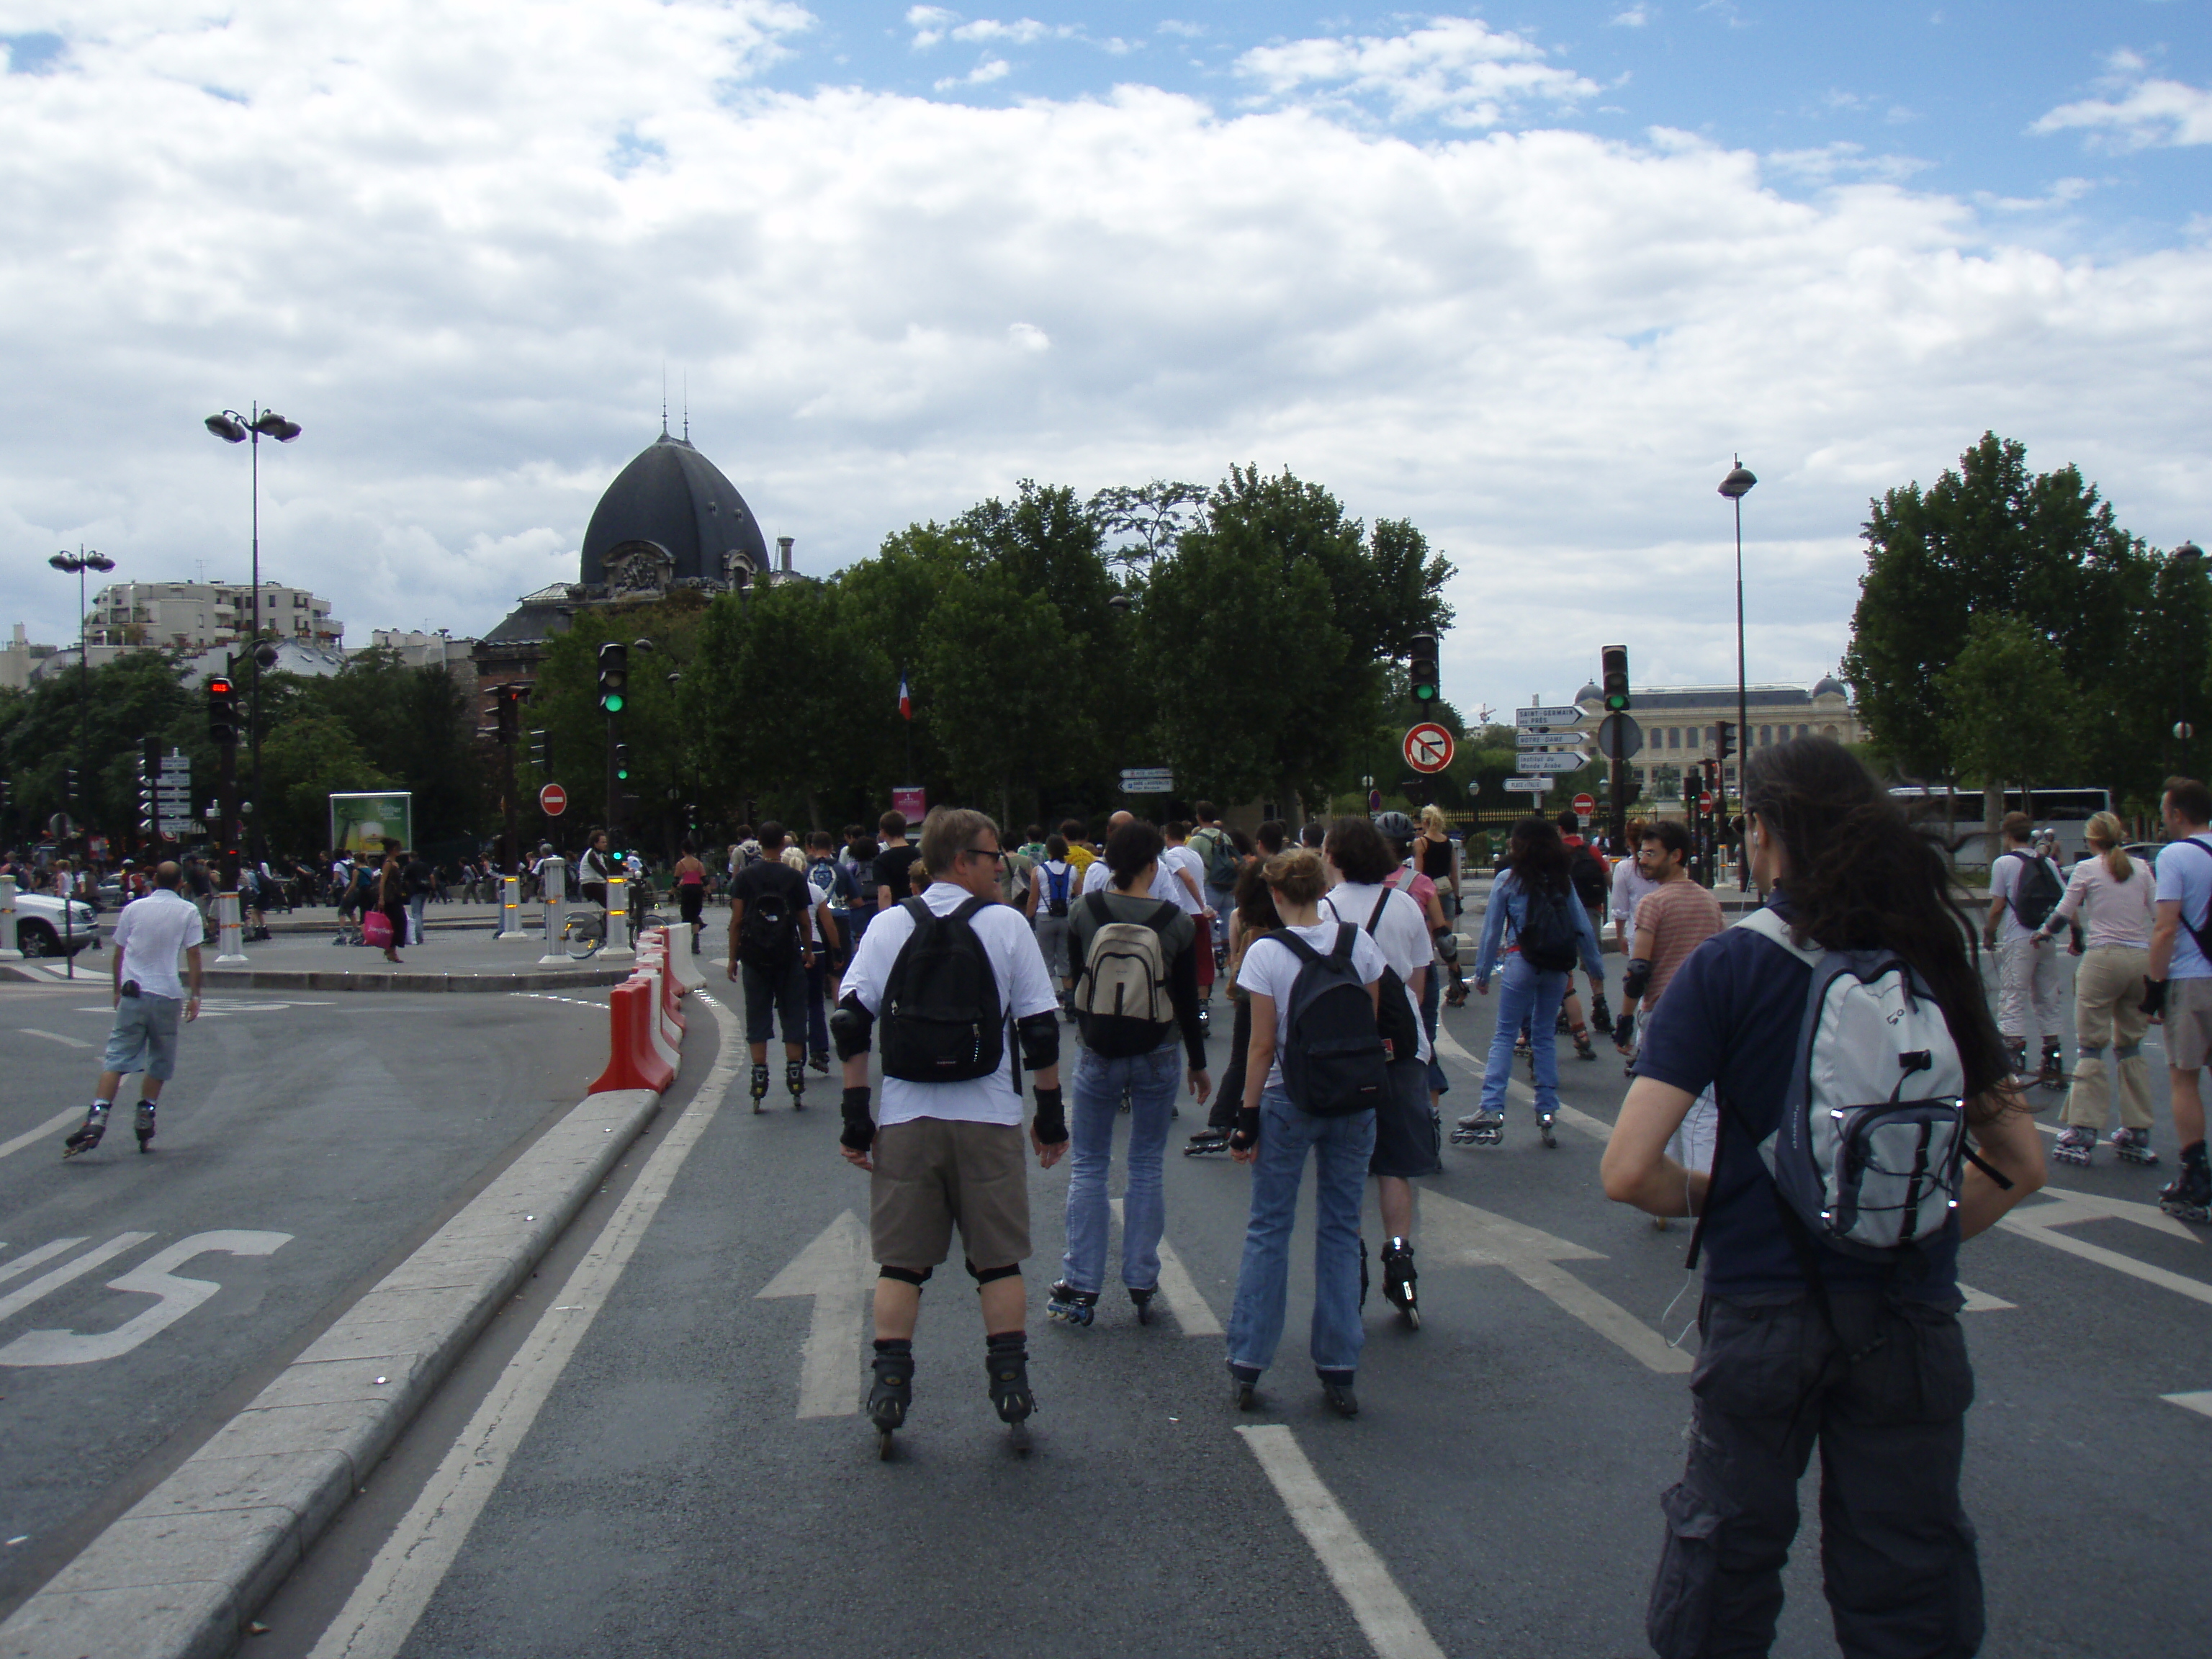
{"type": "Point", "coordinates": [1638, 980]}
{"type": "Point", "coordinates": [850, 1026]}
{"type": "Point", "coordinates": [1040, 1035]}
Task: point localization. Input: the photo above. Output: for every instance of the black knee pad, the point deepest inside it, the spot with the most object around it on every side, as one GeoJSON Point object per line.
{"type": "Point", "coordinates": [983, 1276]}
{"type": "Point", "coordinates": [906, 1275]}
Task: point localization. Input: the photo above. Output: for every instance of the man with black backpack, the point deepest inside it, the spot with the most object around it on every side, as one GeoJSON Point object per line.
{"type": "Point", "coordinates": [2025, 887]}
{"type": "Point", "coordinates": [1593, 883]}
{"type": "Point", "coordinates": [956, 982]}
{"type": "Point", "coordinates": [772, 937]}
{"type": "Point", "coordinates": [1211, 842]}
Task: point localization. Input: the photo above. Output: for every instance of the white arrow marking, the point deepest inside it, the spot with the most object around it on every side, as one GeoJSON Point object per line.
{"type": "Point", "coordinates": [838, 1271]}
{"type": "Point", "coordinates": [1981, 1301]}
{"type": "Point", "coordinates": [30, 1259]}
{"type": "Point", "coordinates": [1385, 1617]}
{"type": "Point", "coordinates": [15, 1301]}
{"type": "Point", "coordinates": [1457, 1233]}
{"type": "Point", "coordinates": [2042, 1221]}
{"type": "Point", "coordinates": [152, 1277]}
{"type": "Point", "coordinates": [2200, 1402]}
{"type": "Point", "coordinates": [2089, 1206]}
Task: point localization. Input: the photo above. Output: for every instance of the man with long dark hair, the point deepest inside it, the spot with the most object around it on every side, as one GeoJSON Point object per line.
{"type": "Point", "coordinates": [1803, 1341]}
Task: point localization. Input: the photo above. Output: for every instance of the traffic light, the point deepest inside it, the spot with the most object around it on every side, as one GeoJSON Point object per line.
{"type": "Point", "coordinates": [509, 713]}
{"type": "Point", "coordinates": [69, 785]}
{"type": "Point", "coordinates": [1614, 677]}
{"type": "Point", "coordinates": [222, 709]}
{"type": "Point", "coordinates": [1421, 669]}
{"type": "Point", "coordinates": [541, 750]}
{"type": "Point", "coordinates": [149, 775]}
{"type": "Point", "coordinates": [614, 676]}
{"type": "Point", "coordinates": [621, 762]}
{"type": "Point", "coordinates": [1724, 744]}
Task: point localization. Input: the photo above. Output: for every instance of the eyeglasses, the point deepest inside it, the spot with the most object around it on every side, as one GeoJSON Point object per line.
{"type": "Point", "coordinates": [990, 852]}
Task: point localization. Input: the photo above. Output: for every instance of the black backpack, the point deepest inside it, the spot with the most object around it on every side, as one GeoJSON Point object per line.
{"type": "Point", "coordinates": [1587, 871]}
{"type": "Point", "coordinates": [1334, 1062]}
{"type": "Point", "coordinates": [1547, 932]}
{"type": "Point", "coordinates": [1394, 1020]}
{"type": "Point", "coordinates": [2039, 892]}
{"type": "Point", "coordinates": [770, 927]}
{"type": "Point", "coordinates": [941, 1016]}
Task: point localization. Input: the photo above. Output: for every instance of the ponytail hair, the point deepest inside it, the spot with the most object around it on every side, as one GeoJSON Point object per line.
{"type": "Point", "coordinates": [2105, 831]}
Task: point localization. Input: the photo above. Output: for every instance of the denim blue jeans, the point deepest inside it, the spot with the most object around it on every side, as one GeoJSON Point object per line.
{"type": "Point", "coordinates": [1524, 994]}
{"type": "Point", "coordinates": [1341, 1147]}
{"type": "Point", "coordinates": [1431, 994]}
{"type": "Point", "coordinates": [1151, 1080]}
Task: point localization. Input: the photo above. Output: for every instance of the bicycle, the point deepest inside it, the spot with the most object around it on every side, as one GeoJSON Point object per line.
{"type": "Point", "coordinates": [585, 932]}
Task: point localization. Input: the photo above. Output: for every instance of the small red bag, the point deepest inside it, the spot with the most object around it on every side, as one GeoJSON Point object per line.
{"type": "Point", "coordinates": [376, 929]}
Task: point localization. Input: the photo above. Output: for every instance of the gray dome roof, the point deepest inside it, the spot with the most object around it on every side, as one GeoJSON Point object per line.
{"type": "Point", "coordinates": [1591, 693]}
{"type": "Point", "coordinates": [1829, 686]}
{"type": "Point", "coordinates": [673, 498]}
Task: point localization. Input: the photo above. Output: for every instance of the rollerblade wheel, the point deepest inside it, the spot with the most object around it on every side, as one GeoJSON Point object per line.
{"type": "Point", "coordinates": [1413, 1318]}
{"type": "Point", "coordinates": [883, 1445]}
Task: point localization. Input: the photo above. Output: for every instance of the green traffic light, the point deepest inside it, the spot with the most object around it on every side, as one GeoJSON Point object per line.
{"type": "Point", "coordinates": [1424, 693]}
{"type": "Point", "coordinates": [612, 702]}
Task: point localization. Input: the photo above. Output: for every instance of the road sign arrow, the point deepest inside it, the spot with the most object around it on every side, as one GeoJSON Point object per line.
{"type": "Point", "coordinates": [1459, 1234]}
{"type": "Point", "coordinates": [1537, 719]}
{"type": "Point", "coordinates": [837, 1271]}
{"type": "Point", "coordinates": [1567, 761]}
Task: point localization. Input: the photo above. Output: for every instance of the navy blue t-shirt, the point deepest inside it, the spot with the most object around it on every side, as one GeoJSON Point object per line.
{"type": "Point", "coordinates": [1730, 1018]}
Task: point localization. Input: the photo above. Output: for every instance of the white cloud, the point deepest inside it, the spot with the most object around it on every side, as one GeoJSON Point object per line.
{"type": "Point", "coordinates": [1023, 32]}
{"type": "Point", "coordinates": [2145, 113]}
{"type": "Point", "coordinates": [1540, 346]}
{"type": "Point", "coordinates": [1176, 25]}
{"type": "Point", "coordinates": [1635, 17]}
{"type": "Point", "coordinates": [1457, 69]}
{"type": "Point", "coordinates": [988, 69]}
{"type": "Point", "coordinates": [929, 24]}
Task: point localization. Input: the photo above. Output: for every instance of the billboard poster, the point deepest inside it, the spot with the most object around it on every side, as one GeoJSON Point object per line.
{"type": "Point", "coordinates": [365, 822]}
{"type": "Point", "coordinates": [911, 802]}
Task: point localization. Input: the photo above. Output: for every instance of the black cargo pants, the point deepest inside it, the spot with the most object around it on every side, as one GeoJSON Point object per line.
{"type": "Point", "coordinates": [1882, 1384]}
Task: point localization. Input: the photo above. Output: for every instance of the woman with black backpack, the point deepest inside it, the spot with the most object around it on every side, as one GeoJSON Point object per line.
{"type": "Point", "coordinates": [1535, 901]}
{"type": "Point", "coordinates": [1844, 1030]}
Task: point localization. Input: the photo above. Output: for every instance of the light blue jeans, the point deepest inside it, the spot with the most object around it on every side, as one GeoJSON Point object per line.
{"type": "Point", "coordinates": [1151, 1080]}
{"type": "Point", "coordinates": [1524, 994]}
{"type": "Point", "coordinates": [1341, 1148]}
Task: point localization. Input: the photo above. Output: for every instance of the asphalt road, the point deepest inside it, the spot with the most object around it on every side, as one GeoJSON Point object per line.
{"type": "Point", "coordinates": [665, 1489]}
{"type": "Point", "coordinates": [307, 1144]}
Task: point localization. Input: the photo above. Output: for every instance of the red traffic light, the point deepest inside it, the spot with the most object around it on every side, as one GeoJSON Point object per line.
{"type": "Point", "coordinates": [219, 685]}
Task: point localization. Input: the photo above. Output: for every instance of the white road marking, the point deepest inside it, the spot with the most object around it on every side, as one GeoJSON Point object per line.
{"type": "Point", "coordinates": [152, 1277]}
{"type": "Point", "coordinates": [1193, 1314]}
{"type": "Point", "coordinates": [385, 1604]}
{"type": "Point", "coordinates": [2093, 1206]}
{"type": "Point", "coordinates": [2199, 1401]}
{"type": "Point", "coordinates": [838, 1271]}
{"type": "Point", "coordinates": [54, 1036]}
{"type": "Point", "coordinates": [1981, 1301]}
{"type": "Point", "coordinates": [1386, 1617]}
{"type": "Point", "coordinates": [1457, 1233]}
{"type": "Point", "coordinates": [2042, 1221]}
{"type": "Point", "coordinates": [53, 1126]}
{"type": "Point", "coordinates": [16, 1300]}
{"type": "Point", "coordinates": [1581, 1121]}
{"type": "Point", "coordinates": [30, 1259]}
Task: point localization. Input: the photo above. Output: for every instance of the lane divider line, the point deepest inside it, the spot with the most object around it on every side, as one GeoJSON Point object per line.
{"type": "Point", "coordinates": [1385, 1617]}
{"type": "Point", "coordinates": [384, 1606]}
{"type": "Point", "coordinates": [54, 1036]}
{"type": "Point", "coordinates": [53, 1126]}
{"type": "Point", "coordinates": [22, 1298]}
{"type": "Point", "coordinates": [1193, 1314]}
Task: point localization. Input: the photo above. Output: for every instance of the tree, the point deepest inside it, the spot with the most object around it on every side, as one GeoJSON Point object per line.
{"type": "Point", "coordinates": [2010, 708]}
{"type": "Point", "coordinates": [304, 760]}
{"type": "Point", "coordinates": [1147, 518]}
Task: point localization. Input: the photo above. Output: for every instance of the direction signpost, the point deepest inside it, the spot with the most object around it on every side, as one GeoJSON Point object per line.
{"type": "Point", "coordinates": [1551, 761]}
{"type": "Point", "coordinates": [1147, 781]}
{"type": "Point", "coordinates": [1545, 719]}
{"type": "Point", "coordinates": [1428, 747]}
{"type": "Point", "coordinates": [172, 797]}
{"type": "Point", "coordinates": [1529, 785]}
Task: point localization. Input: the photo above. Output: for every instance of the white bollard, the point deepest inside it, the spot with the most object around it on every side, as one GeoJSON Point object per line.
{"type": "Point", "coordinates": [617, 942]}
{"type": "Point", "coordinates": [510, 908]}
{"type": "Point", "coordinates": [555, 875]}
{"type": "Point", "coordinates": [230, 937]}
{"type": "Point", "coordinates": [9, 952]}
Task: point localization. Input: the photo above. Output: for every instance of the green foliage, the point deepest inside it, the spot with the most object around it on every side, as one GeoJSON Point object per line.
{"type": "Point", "coordinates": [105, 716]}
{"type": "Point", "coordinates": [2010, 708]}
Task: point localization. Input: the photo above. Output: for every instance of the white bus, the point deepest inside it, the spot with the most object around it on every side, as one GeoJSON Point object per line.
{"type": "Point", "coordinates": [2065, 810]}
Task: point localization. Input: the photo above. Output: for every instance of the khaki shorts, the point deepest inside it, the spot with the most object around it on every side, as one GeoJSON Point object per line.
{"type": "Point", "coordinates": [931, 1172]}
{"type": "Point", "coordinates": [2189, 1023]}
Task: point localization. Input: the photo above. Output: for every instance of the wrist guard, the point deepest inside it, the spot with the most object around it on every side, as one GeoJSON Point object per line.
{"type": "Point", "coordinates": [860, 1126]}
{"type": "Point", "coordinates": [1246, 1135]}
{"type": "Point", "coordinates": [1623, 1029]}
{"type": "Point", "coordinates": [1050, 1124]}
{"type": "Point", "coordinates": [2154, 1000]}
{"type": "Point", "coordinates": [1638, 980]}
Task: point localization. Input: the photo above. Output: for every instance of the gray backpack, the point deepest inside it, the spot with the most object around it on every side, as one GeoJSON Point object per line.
{"type": "Point", "coordinates": [1869, 1149]}
{"type": "Point", "coordinates": [1121, 1001]}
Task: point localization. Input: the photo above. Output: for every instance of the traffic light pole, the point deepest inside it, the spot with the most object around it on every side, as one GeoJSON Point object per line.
{"type": "Point", "coordinates": [614, 785]}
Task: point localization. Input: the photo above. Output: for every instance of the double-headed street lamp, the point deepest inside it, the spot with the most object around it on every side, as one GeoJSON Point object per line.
{"type": "Point", "coordinates": [234, 428]}
{"type": "Point", "coordinates": [80, 562]}
{"type": "Point", "coordinates": [1735, 487]}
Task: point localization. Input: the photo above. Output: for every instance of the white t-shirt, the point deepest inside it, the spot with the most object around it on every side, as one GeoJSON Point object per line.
{"type": "Point", "coordinates": [1165, 888]}
{"type": "Point", "coordinates": [1401, 931]}
{"type": "Point", "coordinates": [1270, 967]}
{"type": "Point", "coordinates": [1630, 886]}
{"type": "Point", "coordinates": [2185, 874]}
{"type": "Point", "coordinates": [1174, 859]}
{"type": "Point", "coordinates": [1025, 988]}
{"type": "Point", "coordinates": [2005, 874]}
{"type": "Point", "coordinates": [151, 933]}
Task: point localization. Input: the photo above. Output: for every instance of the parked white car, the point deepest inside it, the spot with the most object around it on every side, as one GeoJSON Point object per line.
{"type": "Point", "coordinates": [40, 930]}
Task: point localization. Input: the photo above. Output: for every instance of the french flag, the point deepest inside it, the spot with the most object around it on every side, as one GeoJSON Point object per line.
{"type": "Point", "coordinates": [906, 701]}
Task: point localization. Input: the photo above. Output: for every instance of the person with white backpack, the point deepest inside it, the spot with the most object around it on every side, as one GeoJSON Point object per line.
{"type": "Point", "coordinates": [1869, 1123]}
{"type": "Point", "coordinates": [2025, 887]}
{"type": "Point", "coordinates": [1135, 1003]}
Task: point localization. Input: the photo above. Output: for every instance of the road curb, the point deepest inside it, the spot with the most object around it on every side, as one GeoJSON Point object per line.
{"type": "Point", "coordinates": [179, 1574]}
{"type": "Point", "coordinates": [341, 979]}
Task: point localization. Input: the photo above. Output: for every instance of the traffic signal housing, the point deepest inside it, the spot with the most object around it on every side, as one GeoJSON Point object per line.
{"type": "Point", "coordinates": [614, 676]}
{"type": "Point", "coordinates": [222, 709]}
{"type": "Point", "coordinates": [1613, 677]}
{"type": "Point", "coordinates": [541, 750]}
{"type": "Point", "coordinates": [621, 762]}
{"type": "Point", "coordinates": [1421, 668]}
{"type": "Point", "coordinates": [1724, 744]}
{"type": "Point", "coordinates": [508, 713]}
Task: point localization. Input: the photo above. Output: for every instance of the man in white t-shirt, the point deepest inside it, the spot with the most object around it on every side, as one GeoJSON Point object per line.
{"type": "Point", "coordinates": [1408, 1135]}
{"type": "Point", "coordinates": [150, 933]}
{"type": "Point", "coordinates": [2180, 984]}
{"type": "Point", "coordinates": [942, 1154]}
{"type": "Point", "coordinates": [1182, 861]}
{"type": "Point", "coordinates": [2025, 886]}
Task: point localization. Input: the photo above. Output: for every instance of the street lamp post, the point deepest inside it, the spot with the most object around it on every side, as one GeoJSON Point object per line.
{"type": "Point", "coordinates": [80, 562]}
{"type": "Point", "coordinates": [2187, 558]}
{"type": "Point", "coordinates": [235, 428]}
{"type": "Point", "coordinates": [1735, 487]}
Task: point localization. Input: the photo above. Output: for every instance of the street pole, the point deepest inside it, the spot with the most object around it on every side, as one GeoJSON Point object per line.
{"type": "Point", "coordinates": [1736, 486]}
{"type": "Point", "coordinates": [232, 427]}
{"type": "Point", "coordinates": [2185, 558]}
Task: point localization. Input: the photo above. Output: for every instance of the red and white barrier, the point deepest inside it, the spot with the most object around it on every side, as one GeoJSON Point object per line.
{"type": "Point", "coordinates": [645, 1023]}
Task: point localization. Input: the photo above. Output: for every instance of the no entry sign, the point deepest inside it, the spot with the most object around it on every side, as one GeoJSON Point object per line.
{"type": "Point", "coordinates": [1428, 747]}
{"type": "Point", "coordinates": [552, 801]}
{"type": "Point", "coordinates": [1585, 804]}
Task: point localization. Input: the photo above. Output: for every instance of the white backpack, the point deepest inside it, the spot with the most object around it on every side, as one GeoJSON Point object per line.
{"type": "Point", "coordinates": [1121, 1001]}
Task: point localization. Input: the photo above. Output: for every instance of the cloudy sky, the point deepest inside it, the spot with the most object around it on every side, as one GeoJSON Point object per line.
{"type": "Point", "coordinates": [1528, 276]}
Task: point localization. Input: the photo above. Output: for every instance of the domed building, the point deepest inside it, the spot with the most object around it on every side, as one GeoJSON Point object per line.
{"type": "Point", "coordinates": [669, 523]}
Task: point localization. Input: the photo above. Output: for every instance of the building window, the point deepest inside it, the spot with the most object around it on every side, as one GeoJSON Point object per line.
{"type": "Point", "coordinates": [1804, 731]}
{"type": "Point", "coordinates": [1766, 736]}
{"type": "Point", "coordinates": [1673, 736]}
